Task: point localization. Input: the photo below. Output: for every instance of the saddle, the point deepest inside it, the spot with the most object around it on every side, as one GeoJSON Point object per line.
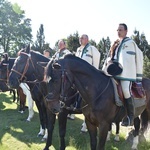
{"type": "Point", "coordinates": [137, 90]}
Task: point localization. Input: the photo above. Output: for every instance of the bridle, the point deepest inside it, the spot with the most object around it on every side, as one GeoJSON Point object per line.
{"type": "Point", "coordinates": [63, 97]}
{"type": "Point", "coordinates": [26, 66]}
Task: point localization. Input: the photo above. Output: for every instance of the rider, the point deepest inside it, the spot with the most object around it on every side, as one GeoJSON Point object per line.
{"type": "Point", "coordinates": [125, 51]}
{"type": "Point", "coordinates": [62, 50]}
{"type": "Point", "coordinates": [90, 54]}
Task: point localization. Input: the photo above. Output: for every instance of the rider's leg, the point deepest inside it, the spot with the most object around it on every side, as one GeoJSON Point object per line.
{"type": "Point", "coordinates": [117, 99]}
{"type": "Point", "coordinates": [129, 103]}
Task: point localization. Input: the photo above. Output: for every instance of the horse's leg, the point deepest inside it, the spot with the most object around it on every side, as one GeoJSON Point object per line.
{"type": "Point", "coordinates": [50, 122]}
{"type": "Point", "coordinates": [117, 131]}
{"type": "Point", "coordinates": [22, 100]}
{"type": "Point", "coordinates": [136, 133]}
{"type": "Point", "coordinates": [62, 128]}
{"type": "Point", "coordinates": [109, 132]}
{"type": "Point", "coordinates": [18, 97]}
{"type": "Point", "coordinates": [103, 130]}
{"type": "Point", "coordinates": [14, 94]}
{"type": "Point", "coordinates": [42, 126]}
{"type": "Point", "coordinates": [144, 123]}
{"type": "Point", "coordinates": [93, 134]}
{"type": "Point", "coordinates": [30, 105]}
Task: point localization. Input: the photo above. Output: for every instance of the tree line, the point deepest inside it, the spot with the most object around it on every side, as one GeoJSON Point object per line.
{"type": "Point", "coordinates": [16, 33]}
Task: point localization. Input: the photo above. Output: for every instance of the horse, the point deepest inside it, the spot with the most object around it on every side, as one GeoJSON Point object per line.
{"type": "Point", "coordinates": [3, 85]}
{"type": "Point", "coordinates": [5, 67]}
{"type": "Point", "coordinates": [97, 92]}
{"type": "Point", "coordinates": [31, 63]}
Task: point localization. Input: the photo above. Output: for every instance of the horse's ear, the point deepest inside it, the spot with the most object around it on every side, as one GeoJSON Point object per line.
{"type": "Point", "coordinates": [56, 66]}
{"type": "Point", "coordinates": [28, 49]}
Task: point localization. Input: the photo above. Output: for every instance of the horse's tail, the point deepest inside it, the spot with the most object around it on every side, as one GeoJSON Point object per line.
{"type": "Point", "coordinates": [144, 120]}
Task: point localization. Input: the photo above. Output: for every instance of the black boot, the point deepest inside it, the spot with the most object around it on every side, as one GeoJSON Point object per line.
{"type": "Point", "coordinates": [129, 120]}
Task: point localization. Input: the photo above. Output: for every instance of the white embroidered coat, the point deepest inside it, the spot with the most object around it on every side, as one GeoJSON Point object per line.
{"type": "Point", "coordinates": [90, 54]}
{"type": "Point", "coordinates": [131, 59]}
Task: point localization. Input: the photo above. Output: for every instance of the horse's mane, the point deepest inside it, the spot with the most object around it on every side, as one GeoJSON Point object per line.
{"type": "Point", "coordinates": [75, 58]}
{"type": "Point", "coordinates": [37, 55]}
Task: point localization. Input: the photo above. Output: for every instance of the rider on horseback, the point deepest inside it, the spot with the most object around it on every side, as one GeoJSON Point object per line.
{"type": "Point", "coordinates": [125, 51]}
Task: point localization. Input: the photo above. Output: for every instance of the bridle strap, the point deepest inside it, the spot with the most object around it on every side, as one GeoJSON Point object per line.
{"type": "Point", "coordinates": [26, 66]}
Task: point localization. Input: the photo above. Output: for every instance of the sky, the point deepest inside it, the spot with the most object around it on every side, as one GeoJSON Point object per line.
{"type": "Point", "coordinates": [96, 18]}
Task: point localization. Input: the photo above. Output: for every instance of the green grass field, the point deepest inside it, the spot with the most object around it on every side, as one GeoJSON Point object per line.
{"type": "Point", "coordinates": [17, 134]}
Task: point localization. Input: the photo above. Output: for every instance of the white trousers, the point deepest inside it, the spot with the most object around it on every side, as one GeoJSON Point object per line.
{"type": "Point", "coordinates": [126, 86]}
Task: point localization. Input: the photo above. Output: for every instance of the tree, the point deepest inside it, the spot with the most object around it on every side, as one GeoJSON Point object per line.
{"type": "Point", "coordinates": [73, 42]}
{"type": "Point", "coordinates": [145, 48]}
{"type": "Point", "coordinates": [146, 67]}
{"type": "Point", "coordinates": [140, 40]}
{"type": "Point", "coordinates": [15, 29]}
{"type": "Point", "coordinates": [104, 46]}
{"type": "Point", "coordinates": [40, 41]}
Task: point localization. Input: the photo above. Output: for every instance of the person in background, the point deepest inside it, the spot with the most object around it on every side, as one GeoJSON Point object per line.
{"type": "Point", "coordinates": [90, 54]}
{"type": "Point", "coordinates": [62, 51]}
{"type": "Point", "coordinates": [125, 51]}
{"type": "Point", "coordinates": [46, 53]}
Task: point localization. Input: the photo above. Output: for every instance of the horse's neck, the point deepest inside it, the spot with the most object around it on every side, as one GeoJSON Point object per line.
{"type": "Point", "coordinates": [39, 57]}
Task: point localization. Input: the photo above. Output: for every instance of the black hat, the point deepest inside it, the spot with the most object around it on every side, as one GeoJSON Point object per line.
{"type": "Point", "coordinates": [114, 68]}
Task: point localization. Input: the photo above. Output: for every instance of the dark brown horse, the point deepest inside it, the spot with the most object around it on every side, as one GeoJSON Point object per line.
{"type": "Point", "coordinates": [28, 64]}
{"type": "Point", "coordinates": [97, 91]}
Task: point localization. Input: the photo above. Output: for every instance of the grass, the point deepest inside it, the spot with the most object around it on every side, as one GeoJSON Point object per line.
{"type": "Point", "coordinates": [17, 134]}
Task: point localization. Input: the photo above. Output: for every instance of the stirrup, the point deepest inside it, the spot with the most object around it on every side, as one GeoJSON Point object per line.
{"type": "Point", "coordinates": [126, 122]}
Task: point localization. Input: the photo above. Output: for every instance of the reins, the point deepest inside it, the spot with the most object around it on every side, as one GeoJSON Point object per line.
{"type": "Point", "coordinates": [64, 98]}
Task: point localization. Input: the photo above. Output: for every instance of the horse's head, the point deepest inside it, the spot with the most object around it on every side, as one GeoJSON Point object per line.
{"type": "Point", "coordinates": [59, 85]}
{"type": "Point", "coordinates": [26, 67]}
{"type": "Point", "coordinates": [4, 74]}
{"type": "Point", "coordinates": [20, 68]}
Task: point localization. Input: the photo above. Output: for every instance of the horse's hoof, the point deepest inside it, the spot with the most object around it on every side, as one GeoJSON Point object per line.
{"type": "Point", "coordinates": [28, 120]}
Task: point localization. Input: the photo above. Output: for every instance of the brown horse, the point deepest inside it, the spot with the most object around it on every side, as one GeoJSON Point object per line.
{"type": "Point", "coordinates": [97, 92]}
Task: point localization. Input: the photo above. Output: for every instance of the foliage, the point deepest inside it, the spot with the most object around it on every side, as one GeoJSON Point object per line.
{"type": "Point", "coordinates": [104, 46]}
{"type": "Point", "coordinates": [73, 42]}
{"type": "Point", "coordinates": [140, 40]}
{"type": "Point", "coordinates": [15, 29]}
{"type": "Point", "coordinates": [40, 41]}
{"type": "Point", "coordinates": [146, 69]}
{"type": "Point", "coordinates": [142, 43]}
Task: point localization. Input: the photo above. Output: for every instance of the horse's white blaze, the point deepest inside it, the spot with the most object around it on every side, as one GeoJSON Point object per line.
{"type": "Point", "coordinates": [135, 142]}
{"type": "Point", "coordinates": [26, 91]}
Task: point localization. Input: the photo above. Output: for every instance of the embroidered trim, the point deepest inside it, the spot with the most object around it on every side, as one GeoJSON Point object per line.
{"type": "Point", "coordinates": [89, 55]}
{"type": "Point", "coordinates": [131, 53]}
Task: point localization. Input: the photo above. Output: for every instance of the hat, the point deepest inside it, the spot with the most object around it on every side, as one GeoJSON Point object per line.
{"type": "Point", "coordinates": [114, 68]}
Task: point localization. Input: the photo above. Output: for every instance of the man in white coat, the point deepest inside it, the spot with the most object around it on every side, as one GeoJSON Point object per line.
{"type": "Point", "coordinates": [90, 54]}
{"type": "Point", "coordinates": [125, 51]}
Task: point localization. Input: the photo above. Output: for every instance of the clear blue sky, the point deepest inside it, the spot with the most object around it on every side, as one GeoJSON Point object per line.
{"type": "Point", "coordinates": [97, 18]}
